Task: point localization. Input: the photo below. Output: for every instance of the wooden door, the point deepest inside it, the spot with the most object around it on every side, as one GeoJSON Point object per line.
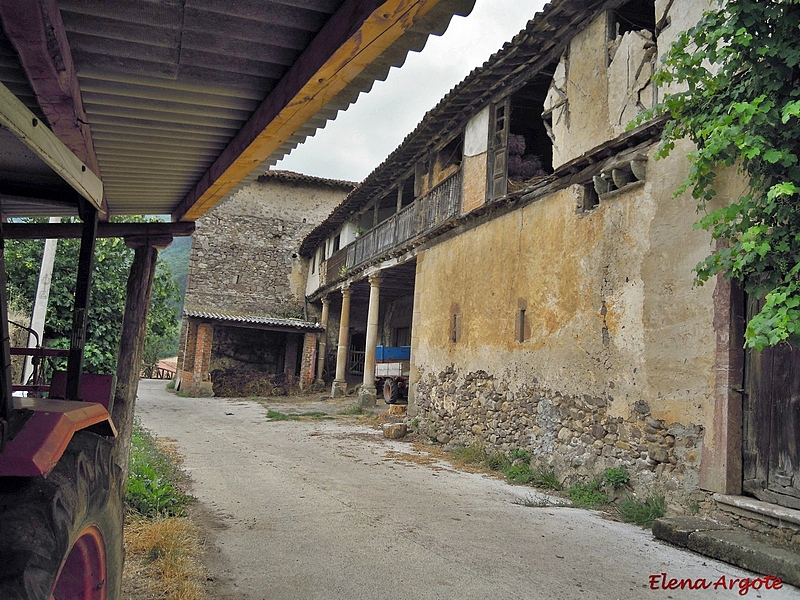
{"type": "Point", "coordinates": [771, 435]}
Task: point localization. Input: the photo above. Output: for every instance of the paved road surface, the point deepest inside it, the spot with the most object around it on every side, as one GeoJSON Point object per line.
{"type": "Point", "coordinates": [328, 510]}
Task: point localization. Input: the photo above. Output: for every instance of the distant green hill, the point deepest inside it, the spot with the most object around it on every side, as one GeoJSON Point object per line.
{"type": "Point", "coordinates": [176, 256]}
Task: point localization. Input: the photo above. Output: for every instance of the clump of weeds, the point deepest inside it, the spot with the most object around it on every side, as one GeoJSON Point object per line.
{"type": "Point", "coordinates": [617, 477]}
{"type": "Point", "coordinates": [587, 495]}
{"type": "Point", "coordinates": [642, 512]}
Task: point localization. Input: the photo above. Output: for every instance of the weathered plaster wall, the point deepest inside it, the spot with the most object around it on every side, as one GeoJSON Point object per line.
{"type": "Point", "coordinates": [581, 122]}
{"type": "Point", "coordinates": [476, 142]}
{"type": "Point", "coordinates": [617, 362]}
{"type": "Point", "coordinates": [244, 251]}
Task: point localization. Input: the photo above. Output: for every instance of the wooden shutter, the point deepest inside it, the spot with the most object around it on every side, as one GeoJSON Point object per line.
{"type": "Point", "coordinates": [498, 149]}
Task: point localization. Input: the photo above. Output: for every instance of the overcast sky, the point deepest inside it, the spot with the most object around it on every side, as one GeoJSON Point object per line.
{"type": "Point", "coordinates": [365, 134]}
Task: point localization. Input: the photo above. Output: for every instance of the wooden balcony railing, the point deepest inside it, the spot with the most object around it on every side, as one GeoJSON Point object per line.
{"type": "Point", "coordinates": [418, 218]}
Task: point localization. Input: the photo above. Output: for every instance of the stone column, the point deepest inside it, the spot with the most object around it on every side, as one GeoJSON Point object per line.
{"type": "Point", "coordinates": [367, 396]}
{"type": "Point", "coordinates": [323, 340]}
{"type": "Point", "coordinates": [339, 387]}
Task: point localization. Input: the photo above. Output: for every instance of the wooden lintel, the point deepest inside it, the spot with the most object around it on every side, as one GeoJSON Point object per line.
{"type": "Point", "coordinates": [359, 32]}
{"type": "Point", "coordinates": [156, 241]}
{"type": "Point", "coordinates": [35, 231]}
{"type": "Point", "coordinates": [26, 126]}
{"type": "Point", "coordinates": [37, 33]}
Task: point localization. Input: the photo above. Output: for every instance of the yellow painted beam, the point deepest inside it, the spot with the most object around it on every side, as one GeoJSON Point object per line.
{"type": "Point", "coordinates": [377, 33]}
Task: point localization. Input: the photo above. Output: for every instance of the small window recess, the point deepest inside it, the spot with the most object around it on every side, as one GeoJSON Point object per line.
{"type": "Point", "coordinates": [455, 328]}
{"type": "Point", "coordinates": [336, 242]}
{"type": "Point", "coordinates": [314, 263]}
{"type": "Point", "coordinates": [520, 325]}
{"type": "Point", "coordinates": [588, 198]}
{"type": "Point", "coordinates": [623, 176]}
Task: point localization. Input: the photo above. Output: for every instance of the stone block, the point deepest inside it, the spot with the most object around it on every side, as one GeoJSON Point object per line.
{"type": "Point", "coordinates": [394, 431]}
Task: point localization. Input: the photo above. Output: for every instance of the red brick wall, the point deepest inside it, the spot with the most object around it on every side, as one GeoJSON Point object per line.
{"type": "Point", "coordinates": [308, 361]}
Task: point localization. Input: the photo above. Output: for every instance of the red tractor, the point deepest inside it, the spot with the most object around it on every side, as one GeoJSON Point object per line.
{"type": "Point", "coordinates": [143, 108]}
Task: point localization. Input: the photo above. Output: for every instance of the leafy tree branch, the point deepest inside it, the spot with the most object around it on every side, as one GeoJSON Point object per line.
{"type": "Point", "coordinates": [739, 67]}
{"type": "Point", "coordinates": [107, 301]}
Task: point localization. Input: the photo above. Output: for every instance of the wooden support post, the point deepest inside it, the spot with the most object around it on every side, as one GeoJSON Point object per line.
{"type": "Point", "coordinates": [129, 360]}
{"type": "Point", "coordinates": [5, 366]}
{"type": "Point", "coordinates": [80, 312]}
{"type": "Point", "coordinates": [400, 187]}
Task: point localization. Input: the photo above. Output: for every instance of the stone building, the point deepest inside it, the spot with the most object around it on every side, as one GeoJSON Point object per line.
{"type": "Point", "coordinates": [529, 246]}
{"type": "Point", "coordinates": [245, 313]}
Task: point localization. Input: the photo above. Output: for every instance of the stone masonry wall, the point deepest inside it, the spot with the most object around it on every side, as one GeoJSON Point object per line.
{"type": "Point", "coordinates": [574, 435]}
{"type": "Point", "coordinates": [244, 256]}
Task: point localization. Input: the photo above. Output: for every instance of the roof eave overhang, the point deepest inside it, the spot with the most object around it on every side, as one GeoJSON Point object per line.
{"type": "Point", "coordinates": [353, 38]}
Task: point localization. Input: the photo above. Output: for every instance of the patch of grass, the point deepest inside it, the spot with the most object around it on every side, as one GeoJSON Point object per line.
{"type": "Point", "coordinates": [519, 474]}
{"type": "Point", "coordinates": [353, 409]}
{"type": "Point", "coordinates": [617, 477]}
{"type": "Point", "coordinates": [531, 501]}
{"type": "Point", "coordinates": [415, 423]}
{"type": "Point", "coordinates": [694, 508]}
{"type": "Point", "coordinates": [519, 455]}
{"type": "Point", "coordinates": [587, 495]}
{"type": "Point", "coordinates": [274, 415]}
{"type": "Point", "coordinates": [152, 473]}
{"type": "Point", "coordinates": [472, 454]}
{"type": "Point", "coordinates": [161, 559]}
{"type": "Point", "coordinates": [171, 385]}
{"type": "Point", "coordinates": [497, 461]}
{"type": "Point", "coordinates": [642, 512]}
{"type": "Point", "coordinates": [545, 479]}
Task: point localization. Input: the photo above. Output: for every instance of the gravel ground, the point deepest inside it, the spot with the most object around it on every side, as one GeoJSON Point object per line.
{"type": "Point", "coordinates": [329, 509]}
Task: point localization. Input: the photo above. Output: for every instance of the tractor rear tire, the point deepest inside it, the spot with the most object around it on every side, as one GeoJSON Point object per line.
{"type": "Point", "coordinates": [61, 536]}
{"type": "Point", "coordinates": [390, 391]}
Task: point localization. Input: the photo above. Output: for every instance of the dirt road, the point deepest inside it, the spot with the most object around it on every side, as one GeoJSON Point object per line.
{"type": "Point", "coordinates": [330, 510]}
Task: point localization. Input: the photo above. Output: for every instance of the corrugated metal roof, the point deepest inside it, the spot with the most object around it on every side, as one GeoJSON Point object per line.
{"type": "Point", "coordinates": [241, 319]}
{"type": "Point", "coordinates": [167, 84]}
{"type": "Point", "coordinates": [531, 50]}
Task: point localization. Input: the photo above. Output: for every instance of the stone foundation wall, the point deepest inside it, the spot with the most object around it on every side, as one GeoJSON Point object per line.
{"type": "Point", "coordinates": [575, 435]}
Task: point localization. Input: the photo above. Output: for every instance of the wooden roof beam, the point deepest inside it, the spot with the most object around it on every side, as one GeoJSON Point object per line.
{"type": "Point", "coordinates": [350, 41]}
{"type": "Point", "coordinates": [38, 35]}
{"type": "Point", "coordinates": [37, 231]}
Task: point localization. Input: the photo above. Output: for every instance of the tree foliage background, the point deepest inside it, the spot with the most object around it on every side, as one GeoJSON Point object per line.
{"type": "Point", "coordinates": [741, 106]}
{"type": "Point", "coordinates": [107, 301]}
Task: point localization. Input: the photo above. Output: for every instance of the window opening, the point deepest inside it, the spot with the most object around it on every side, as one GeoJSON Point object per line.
{"type": "Point", "coordinates": [588, 198]}
{"type": "Point", "coordinates": [530, 148]}
{"type": "Point", "coordinates": [634, 16]}
{"type": "Point", "coordinates": [521, 325]}
{"type": "Point", "coordinates": [408, 191]}
{"type": "Point", "coordinates": [456, 329]}
{"type": "Point", "coordinates": [336, 242]}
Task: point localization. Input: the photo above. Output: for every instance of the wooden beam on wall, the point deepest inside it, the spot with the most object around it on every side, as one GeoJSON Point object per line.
{"type": "Point", "coordinates": [37, 32]}
{"type": "Point", "coordinates": [26, 126]}
{"type": "Point", "coordinates": [60, 231]}
{"type": "Point", "coordinates": [351, 40]}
